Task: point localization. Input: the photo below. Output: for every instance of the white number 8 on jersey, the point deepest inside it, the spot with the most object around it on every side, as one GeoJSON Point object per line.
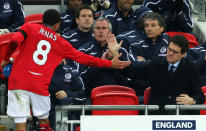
{"type": "Point", "coordinates": [41, 52]}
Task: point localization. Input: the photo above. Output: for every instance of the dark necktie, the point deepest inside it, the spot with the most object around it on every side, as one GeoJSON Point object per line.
{"type": "Point", "coordinates": [172, 67]}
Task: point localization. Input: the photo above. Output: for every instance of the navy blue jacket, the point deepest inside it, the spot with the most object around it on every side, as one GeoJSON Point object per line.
{"type": "Point", "coordinates": [67, 79]}
{"type": "Point", "coordinates": [93, 48]}
{"type": "Point", "coordinates": [120, 23]}
{"type": "Point", "coordinates": [94, 77]}
{"type": "Point", "coordinates": [148, 49]}
{"type": "Point", "coordinates": [176, 12]}
{"type": "Point", "coordinates": [11, 15]}
{"type": "Point", "coordinates": [77, 37]}
{"type": "Point", "coordinates": [67, 21]}
{"type": "Point", "coordinates": [197, 54]}
{"type": "Point", "coordinates": [130, 37]}
{"type": "Point", "coordinates": [138, 44]}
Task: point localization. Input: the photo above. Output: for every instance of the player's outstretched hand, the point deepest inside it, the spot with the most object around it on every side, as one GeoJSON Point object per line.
{"type": "Point", "coordinates": [117, 64]}
{"type": "Point", "coordinates": [107, 55]}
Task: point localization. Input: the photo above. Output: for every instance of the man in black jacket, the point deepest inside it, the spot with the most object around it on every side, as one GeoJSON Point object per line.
{"type": "Point", "coordinates": [174, 78]}
{"type": "Point", "coordinates": [66, 88]}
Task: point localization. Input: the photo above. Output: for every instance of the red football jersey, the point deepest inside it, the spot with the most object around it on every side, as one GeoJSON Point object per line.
{"type": "Point", "coordinates": [40, 53]}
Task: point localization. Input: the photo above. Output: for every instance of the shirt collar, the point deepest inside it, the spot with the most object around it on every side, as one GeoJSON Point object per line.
{"type": "Point", "coordinates": [175, 65]}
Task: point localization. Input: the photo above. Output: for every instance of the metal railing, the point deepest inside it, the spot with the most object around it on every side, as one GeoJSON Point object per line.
{"type": "Point", "coordinates": [184, 107]}
{"type": "Point", "coordinates": [62, 117]}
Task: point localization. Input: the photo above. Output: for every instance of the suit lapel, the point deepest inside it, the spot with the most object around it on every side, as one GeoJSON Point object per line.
{"type": "Point", "coordinates": [164, 69]}
{"type": "Point", "coordinates": [180, 69]}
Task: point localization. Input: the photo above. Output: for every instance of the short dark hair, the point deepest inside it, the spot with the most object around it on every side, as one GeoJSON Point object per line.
{"type": "Point", "coordinates": [51, 17]}
{"type": "Point", "coordinates": [84, 6]}
{"type": "Point", "coordinates": [156, 16]}
{"type": "Point", "coordinates": [181, 41]}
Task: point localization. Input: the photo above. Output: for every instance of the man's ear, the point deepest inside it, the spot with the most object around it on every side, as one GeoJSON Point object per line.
{"type": "Point", "coordinates": [77, 20]}
{"type": "Point", "coordinates": [162, 29]}
{"type": "Point", "coordinates": [184, 54]}
{"type": "Point", "coordinates": [56, 26]}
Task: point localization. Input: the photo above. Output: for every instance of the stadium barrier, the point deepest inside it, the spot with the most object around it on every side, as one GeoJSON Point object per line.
{"type": "Point", "coordinates": [62, 121]}
{"type": "Point", "coordinates": [184, 107]}
{"type": "Point", "coordinates": [62, 117]}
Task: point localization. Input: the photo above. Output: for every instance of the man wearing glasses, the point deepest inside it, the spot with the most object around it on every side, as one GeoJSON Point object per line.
{"type": "Point", "coordinates": [174, 79]}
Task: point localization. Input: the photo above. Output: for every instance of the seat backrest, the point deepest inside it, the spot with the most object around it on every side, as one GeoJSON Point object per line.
{"type": "Point", "coordinates": [77, 128]}
{"type": "Point", "coordinates": [204, 90]}
{"type": "Point", "coordinates": [114, 95]}
{"type": "Point", "coordinates": [34, 18]}
{"type": "Point", "coordinates": [147, 94]}
{"type": "Point", "coordinates": [203, 112]}
{"type": "Point", "coordinates": [191, 38]}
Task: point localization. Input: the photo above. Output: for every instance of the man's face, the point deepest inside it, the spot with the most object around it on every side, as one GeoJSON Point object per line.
{"type": "Point", "coordinates": [74, 4]}
{"type": "Point", "coordinates": [85, 20]}
{"type": "Point", "coordinates": [174, 53]}
{"type": "Point", "coordinates": [101, 31]}
{"type": "Point", "coordinates": [152, 29]}
{"type": "Point", "coordinates": [125, 4]}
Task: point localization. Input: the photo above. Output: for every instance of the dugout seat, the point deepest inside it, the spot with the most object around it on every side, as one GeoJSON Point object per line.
{"type": "Point", "coordinates": [191, 38]}
{"type": "Point", "coordinates": [147, 93]}
{"type": "Point", "coordinates": [77, 128]}
{"type": "Point", "coordinates": [34, 18]}
{"type": "Point", "coordinates": [114, 95]}
{"type": "Point", "coordinates": [203, 112]}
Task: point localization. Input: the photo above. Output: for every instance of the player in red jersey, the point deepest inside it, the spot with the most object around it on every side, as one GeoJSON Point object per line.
{"type": "Point", "coordinates": [41, 50]}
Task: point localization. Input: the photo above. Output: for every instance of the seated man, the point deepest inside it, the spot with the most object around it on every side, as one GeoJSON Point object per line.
{"type": "Point", "coordinates": [66, 88]}
{"type": "Point", "coordinates": [121, 16]}
{"type": "Point", "coordinates": [174, 79]}
{"type": "Point", "coordinates": [98, 47]}
{"type": "Point", "coordinates": [83, 33]}
{"type": "Point", "coordinates": [11, 16]}
{"type": "Point", "coordinates": [68, 17]}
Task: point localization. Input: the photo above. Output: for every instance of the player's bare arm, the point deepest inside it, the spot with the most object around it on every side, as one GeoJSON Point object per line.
{"type": "Point", "coordinates": [117, 64]}
{"type": "Point", "coordinates": [107, 55]}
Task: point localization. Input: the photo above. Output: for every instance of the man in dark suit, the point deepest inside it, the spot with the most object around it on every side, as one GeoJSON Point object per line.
{"type": "Point", "coordinates": [174, 78]}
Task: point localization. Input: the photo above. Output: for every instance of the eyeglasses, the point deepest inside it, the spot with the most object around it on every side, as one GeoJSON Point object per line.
{"type": "Point", "coordinates": [173, 51]}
